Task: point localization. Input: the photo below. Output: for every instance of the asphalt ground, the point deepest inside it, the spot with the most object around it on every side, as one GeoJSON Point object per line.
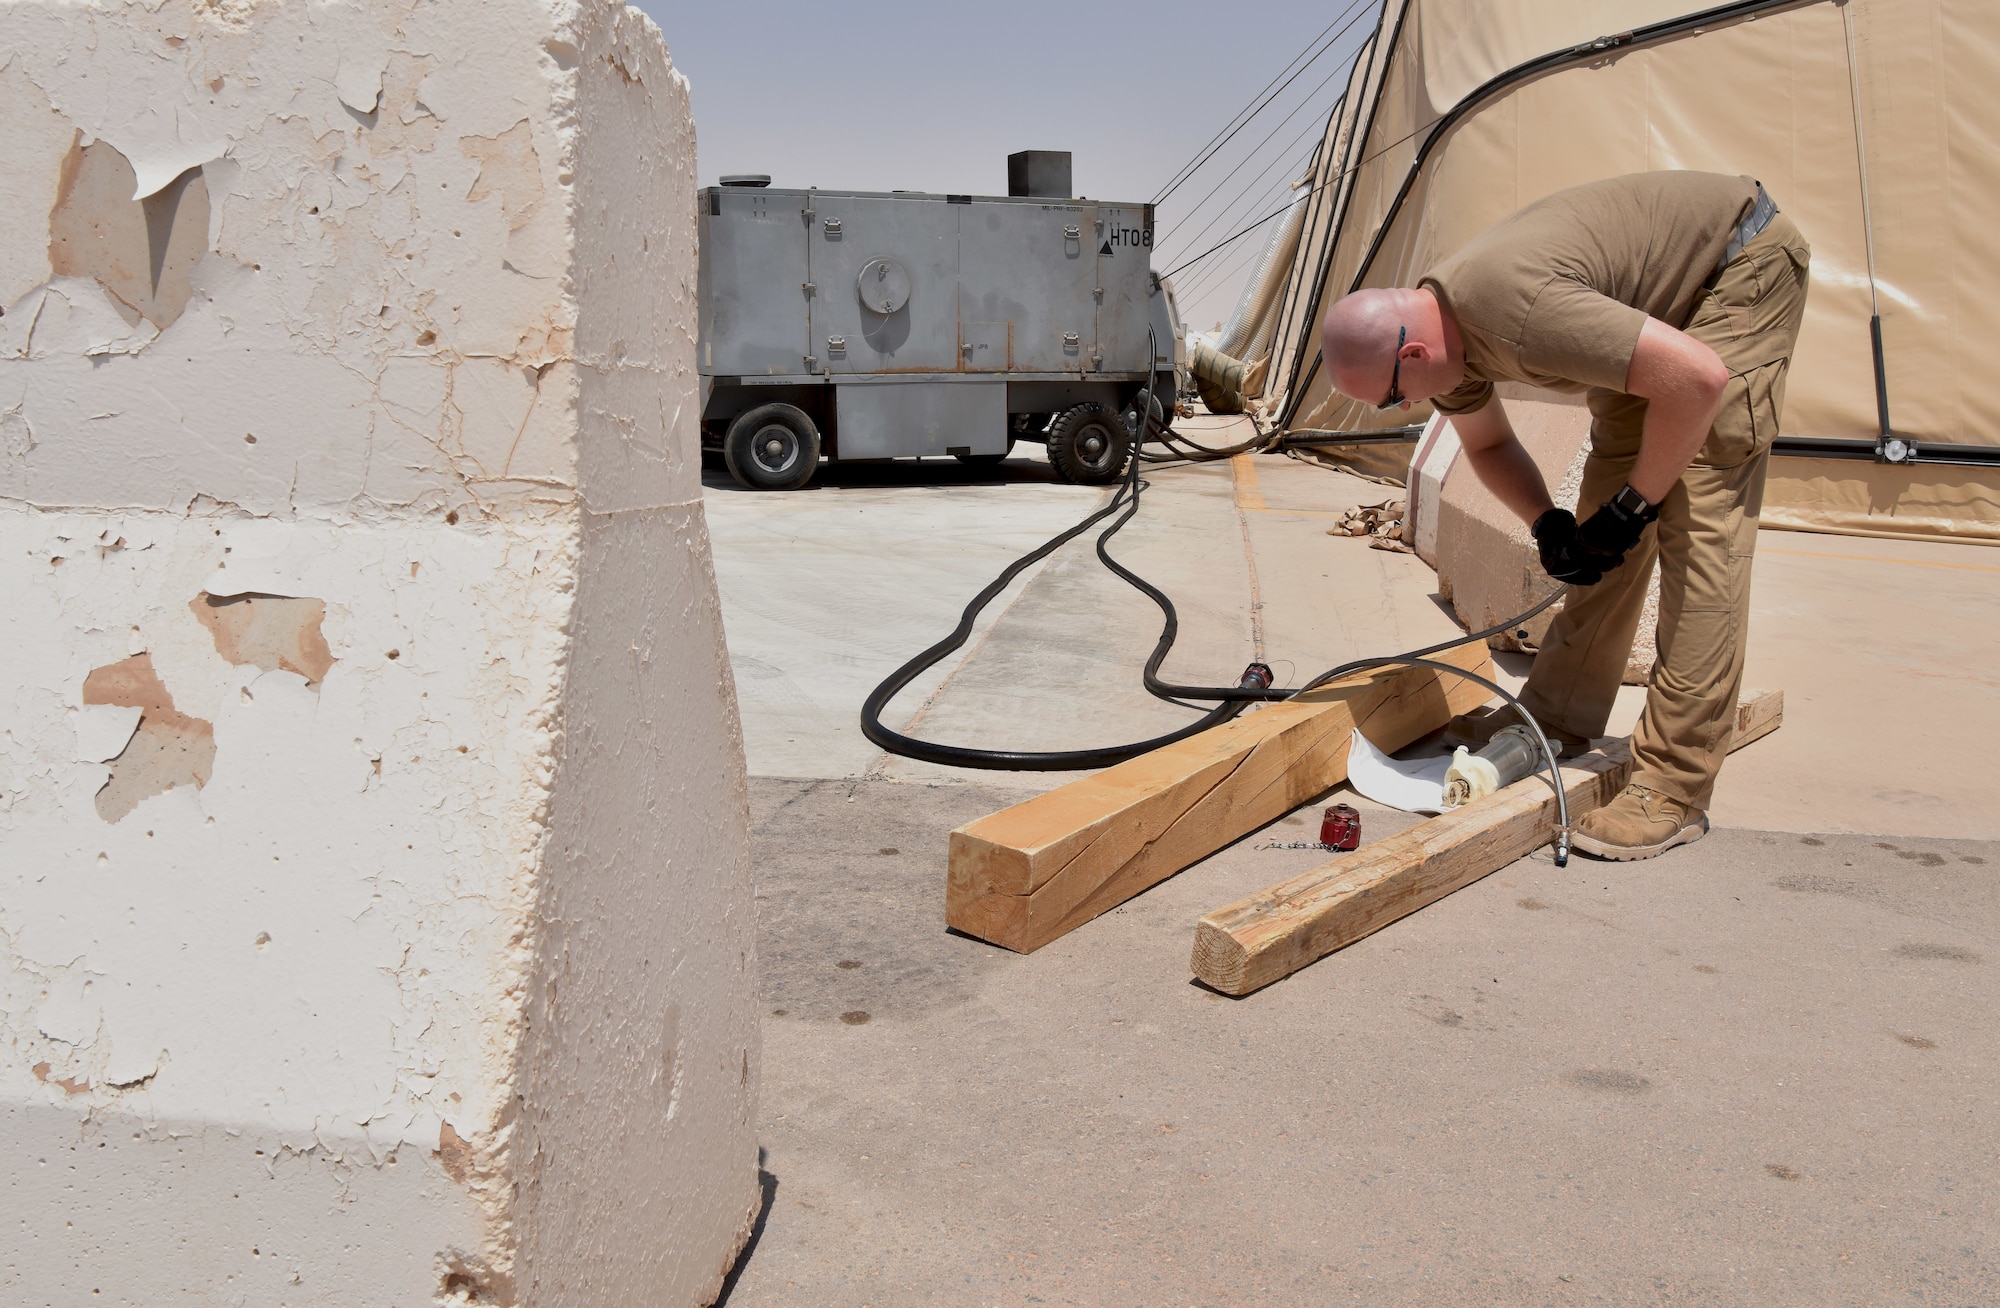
{"type": "Point", "coordinates": [1760, 1071]}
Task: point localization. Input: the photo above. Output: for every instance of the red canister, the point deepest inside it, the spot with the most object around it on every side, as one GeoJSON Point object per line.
{"type": "Point", "coordinates": [1341, 827]}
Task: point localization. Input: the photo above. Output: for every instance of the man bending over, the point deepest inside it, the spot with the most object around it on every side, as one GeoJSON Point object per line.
{"type": "Point", "coordinates": [1674, 299]}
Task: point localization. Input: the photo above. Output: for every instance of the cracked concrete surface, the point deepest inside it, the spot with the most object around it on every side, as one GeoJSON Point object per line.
{"type": "Point", "coordinates": [371, 787]}
{"type": "Point", "coordinates": [362, 233]}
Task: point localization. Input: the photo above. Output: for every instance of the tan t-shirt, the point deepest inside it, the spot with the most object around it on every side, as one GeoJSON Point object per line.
{"type": "Point", "coordinates": [1555, 295]}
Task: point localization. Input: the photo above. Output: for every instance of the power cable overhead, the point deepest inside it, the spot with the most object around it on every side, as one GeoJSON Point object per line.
{"type": "Point", "coordinates": [1252, 152]}
{"type": "Point", "coordinates": [1259, 101]}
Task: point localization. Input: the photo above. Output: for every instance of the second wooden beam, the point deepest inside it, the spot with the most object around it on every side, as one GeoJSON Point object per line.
{"type": "Point", "coordinates": [1267, 936]}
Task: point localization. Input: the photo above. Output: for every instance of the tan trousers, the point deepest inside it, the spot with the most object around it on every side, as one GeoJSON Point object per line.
{"type": "Point", "coordinates": [1703, 540]}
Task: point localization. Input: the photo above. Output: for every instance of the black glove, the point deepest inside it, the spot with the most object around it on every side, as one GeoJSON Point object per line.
{"type": "Point", "coordinates": [1610, 533]}
{"type": "Point", "coordinates": [1555, 537]}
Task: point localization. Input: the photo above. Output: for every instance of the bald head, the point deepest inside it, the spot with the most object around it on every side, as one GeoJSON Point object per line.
{"type": "Point", "coordinates": [1358, 345]}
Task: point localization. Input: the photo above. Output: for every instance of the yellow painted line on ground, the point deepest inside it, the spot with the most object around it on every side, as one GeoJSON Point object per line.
{"type": "Point", "coordinates": [1869, 558]}
{"type": "Point", "coordinates": [1246, 490]}
{"type": "Point", "coordinates": [1248, 497]}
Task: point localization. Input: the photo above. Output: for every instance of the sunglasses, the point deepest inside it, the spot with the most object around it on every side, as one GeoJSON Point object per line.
{"type": "Point", "coordinates": [1395, 396]}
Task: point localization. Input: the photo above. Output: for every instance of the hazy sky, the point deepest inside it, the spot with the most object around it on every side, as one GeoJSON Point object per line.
{"type": "Point", "coordinates": [887, 94]}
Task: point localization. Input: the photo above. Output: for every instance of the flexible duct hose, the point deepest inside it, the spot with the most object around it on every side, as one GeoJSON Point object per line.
{"type": "Point", "coordinates": [1218, 378]}
{"type": "Point", "coordinates": [1260, 289]}
{"type": "Point", "coordinates": [1219, 369]}
{"type": "Point", "coordinates": [1261, 325]}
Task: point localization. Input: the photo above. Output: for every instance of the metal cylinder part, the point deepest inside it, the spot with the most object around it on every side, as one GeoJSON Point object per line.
{"type": "Point", "coordinates": [1511, 755]}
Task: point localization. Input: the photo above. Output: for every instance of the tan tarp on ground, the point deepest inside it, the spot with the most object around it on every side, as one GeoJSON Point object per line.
{"type": "Point", "coordinates": [1770, 98]}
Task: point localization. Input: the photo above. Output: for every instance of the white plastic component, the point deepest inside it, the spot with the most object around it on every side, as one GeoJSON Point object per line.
{"type": "Point", "coordinates": [1412, 785]}
{"type": "Point", "coordinates": [1436, 452]}
{"type": "Point", "coordinates": [1468, 778]}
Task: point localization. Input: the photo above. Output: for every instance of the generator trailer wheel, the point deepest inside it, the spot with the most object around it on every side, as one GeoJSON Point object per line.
{"type": "Point", "coordinates": [772, 447]}
{"type": "Point", "coordinates": [1090, 444]}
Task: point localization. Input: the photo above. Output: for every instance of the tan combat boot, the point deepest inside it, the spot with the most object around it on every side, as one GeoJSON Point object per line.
{"type": "Point", "coordinates": [1473, 730]}
{"type": "Point", "coordinates": [1640, 823]}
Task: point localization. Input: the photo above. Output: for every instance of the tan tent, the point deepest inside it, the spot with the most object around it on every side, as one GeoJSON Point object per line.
{"type": "Point", "coordinates": [1458, 112]}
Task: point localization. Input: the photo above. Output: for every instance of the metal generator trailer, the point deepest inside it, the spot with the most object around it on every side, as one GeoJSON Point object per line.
{"type": "Point", "coordinates": [863, 325]}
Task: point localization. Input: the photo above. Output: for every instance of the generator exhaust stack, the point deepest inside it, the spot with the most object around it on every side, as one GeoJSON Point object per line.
{"type": "Point", "coordinates": [1041, 173]}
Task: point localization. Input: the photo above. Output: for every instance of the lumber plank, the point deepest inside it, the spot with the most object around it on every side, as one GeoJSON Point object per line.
{"type": "Point", "coordinates": [1267, 936]}
{"type": "Point", "coordinates": [1028, 874]}
{"type": "Point", "coordinates": [1758, 714]}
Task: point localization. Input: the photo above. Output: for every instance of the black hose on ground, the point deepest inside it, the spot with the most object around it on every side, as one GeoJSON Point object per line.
{"type": "Point", "coordinates": [1191, 451]}
{"type": "Point", "coordinates": [1062, 760]}
{"type": "Point", "coordinates": [895, 742]}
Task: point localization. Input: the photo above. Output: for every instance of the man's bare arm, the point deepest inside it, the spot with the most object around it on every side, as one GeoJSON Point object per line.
{"type": "Point", "coordinates": [1681, 381]}
{"type": "Point", "coordinates": [1501, 462]}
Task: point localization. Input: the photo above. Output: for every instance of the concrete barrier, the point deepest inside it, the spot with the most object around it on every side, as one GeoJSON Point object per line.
{"type": "Point", "coordinates": [375, 903]}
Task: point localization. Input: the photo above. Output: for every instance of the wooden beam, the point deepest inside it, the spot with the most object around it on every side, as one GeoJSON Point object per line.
{"type": "Point", "coordinates": [1275, 932]}
{"type": "Point", "coordinates": [1028, 874]}
{"type": "Point", "coordinates": [1758, 714]}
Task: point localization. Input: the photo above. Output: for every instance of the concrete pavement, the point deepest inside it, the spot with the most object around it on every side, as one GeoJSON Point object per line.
{"type": "Point", "coordinates": [825, 591]}
{"type": "Point", "coordinates": [1756, 1071]}
{"type": "Point", "coordinates": [1759, 1072]}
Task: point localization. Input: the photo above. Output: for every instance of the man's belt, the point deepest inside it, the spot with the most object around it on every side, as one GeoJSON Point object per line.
{"type": "Point", "coordinates": [1754, 222]}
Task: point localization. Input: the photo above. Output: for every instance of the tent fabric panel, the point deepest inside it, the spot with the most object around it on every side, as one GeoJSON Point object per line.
{"type": "Point", "coordinates": [1467, 43]}
{"type": "Point", "coordinates": [1348, 133]}
{"type": "Point", "coordinates": [1858, 498]}
{"type": "Point", "coordinates": [1322, 207]}
{"type": "Point", "coordinates": [1640, 110]}
{"type": "Point", "coordinates": [1902, 101]}
{"type": "Point", "coordinates": [1374, 171]}
{"type": "Point", "coordinates": [1969, 64]}
{"type": "Point", "coordinates": [1345, 134]}
{"type": "Point", "coordinates": [1317, 226]}
{"type": "Point", "coordinates": [1770, 98]}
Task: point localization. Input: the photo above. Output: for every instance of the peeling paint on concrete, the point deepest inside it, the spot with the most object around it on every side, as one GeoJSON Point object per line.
{"type": "Point", "coordinates": [370, 774]}
{"type": "Point", "coordinates": [141, 251]}
{"type": "Point", "coordinates": [454, 1154]}
{"type": "Point", "coordinates": [407, 248]}
{"type": "Point", "coordinates": [167, 749]}
{"type": "Point", "coordinates": [66, 1084]}
{"type": "Point", "coordinates": [508, 169]}
{"type": "Point", "coordinates": [267, 631]}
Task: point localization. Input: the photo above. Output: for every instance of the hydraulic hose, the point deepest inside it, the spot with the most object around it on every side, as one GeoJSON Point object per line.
{"type": "Point", "coordinates": [1195, 452]}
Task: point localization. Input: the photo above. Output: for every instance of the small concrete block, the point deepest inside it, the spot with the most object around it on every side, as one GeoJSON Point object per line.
{"type": "Point", "coordinates": [1486, 560]}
